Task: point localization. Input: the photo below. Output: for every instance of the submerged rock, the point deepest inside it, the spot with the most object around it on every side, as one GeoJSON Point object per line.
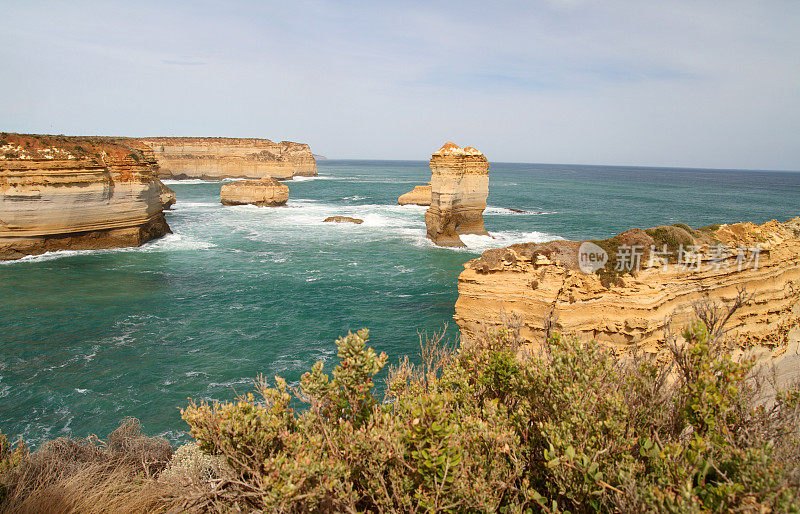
{"type": "Point", "coordinates": [76, 193]}
{"type": "Point", "coordinates": [266, 192]}
{"type": "Point", "coordinates": [459, 189]}
{"type": "Point", "coordinates": [420, 195]}
{"type": "Point", "coordinates": [342, 219]}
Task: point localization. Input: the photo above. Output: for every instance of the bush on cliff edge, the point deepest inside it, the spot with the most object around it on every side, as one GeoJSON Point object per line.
{"type": "Point", "coordinates": [569, 427]}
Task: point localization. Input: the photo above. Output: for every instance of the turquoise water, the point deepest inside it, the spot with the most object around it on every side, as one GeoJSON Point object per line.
{"type": "Point", "coordinates": [90, 337]}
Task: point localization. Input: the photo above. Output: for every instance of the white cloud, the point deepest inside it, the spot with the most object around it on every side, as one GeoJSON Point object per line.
{"type": "Point", "coordinates": [690, 83]}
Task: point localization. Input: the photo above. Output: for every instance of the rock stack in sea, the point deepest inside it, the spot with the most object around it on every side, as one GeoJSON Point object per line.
{"type": "Point", "coordinates": [420, 195]}
{"type": "Point", "coordinates": [459, 189]}
{"type": "Point", "coordinates": [60, 192]}
{"type": "Point", "coordinates": [222, 157]}
{"type": "Point", "coordinates": [559, 287]}
{"type": "Point", "coordinates": [266, 192]}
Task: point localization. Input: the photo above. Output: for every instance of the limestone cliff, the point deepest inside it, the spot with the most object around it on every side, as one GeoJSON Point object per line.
{"type": "Point", "coordinates": [619, 306]}
{"type": "Point", "coordinates": [459, 189]}
{"type": "Point", "coordinates": [167, 196]}
{"type": "Point", "coordinates": [219, 157]}
{"type": "Point", "coordinates": [420, 195]}
{"type": "Point", "coordinates": [266, 192]}
{"type": "Point", "coordinates": [59, 192]}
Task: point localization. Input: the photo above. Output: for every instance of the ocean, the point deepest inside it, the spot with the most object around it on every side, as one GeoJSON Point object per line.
{"type": "Point", "coordinates": [88, 338]}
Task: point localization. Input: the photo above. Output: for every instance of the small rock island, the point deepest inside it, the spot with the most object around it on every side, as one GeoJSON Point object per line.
{"type": "Point", "coordinates": [342, 219]}
{"type": "Point", "coordinates": [420, 195]}
{"type": "Point", "coordinates": [266, 192]}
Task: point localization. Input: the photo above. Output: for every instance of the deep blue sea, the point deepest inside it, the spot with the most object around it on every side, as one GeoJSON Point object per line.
{"type": "Point", "coordinates": [88, 338]}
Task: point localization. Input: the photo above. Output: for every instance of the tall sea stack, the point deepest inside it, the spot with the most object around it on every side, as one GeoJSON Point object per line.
{"type": "Point", "coordinates": [76, 193]}
{"type": "Point", "coordinates": [459, 189]}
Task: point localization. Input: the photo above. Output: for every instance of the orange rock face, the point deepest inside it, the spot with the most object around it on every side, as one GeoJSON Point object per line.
{"type": "Point", "coordinates": [266, 192]}
{"type": "Point", "coordinates": [420, 195]}
{"type": "Point", "coordinates": [218, 157]}
{"type": "Point", "coordinates": [59, 192]}
{"type": "Point", "coordinates": [459, 189]}
{"type": "Point", "coordinates": [533, 283]}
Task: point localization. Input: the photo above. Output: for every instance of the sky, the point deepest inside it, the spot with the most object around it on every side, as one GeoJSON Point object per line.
{"type": "Point", "coordinates": [691, 83]}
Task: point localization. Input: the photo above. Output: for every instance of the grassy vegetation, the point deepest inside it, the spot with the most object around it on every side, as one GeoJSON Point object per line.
{"type": "Point", "coordinates": [568, 427]}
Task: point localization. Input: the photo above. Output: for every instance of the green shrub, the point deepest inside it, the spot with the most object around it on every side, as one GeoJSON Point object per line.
{"type": "Point", "coordinates": [568, 427]}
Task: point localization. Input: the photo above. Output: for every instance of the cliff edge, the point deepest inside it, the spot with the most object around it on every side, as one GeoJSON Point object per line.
{"type": "Point", "coordinates": [78, 193]}
{"type": "Point", "coordinates": [626, 290]}
{"type": "Point", "coordinates": [221, 157]}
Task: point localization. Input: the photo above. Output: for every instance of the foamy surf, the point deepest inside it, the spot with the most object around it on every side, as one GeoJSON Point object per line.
{"type": "Point", "coordinates": [505, 211]}
{"type": "Point", "coordinates": [302, 178]}
{"type": "Point", "coordinates": [189, 181]}
{"type": "Point", "coordinates": [167, 243]}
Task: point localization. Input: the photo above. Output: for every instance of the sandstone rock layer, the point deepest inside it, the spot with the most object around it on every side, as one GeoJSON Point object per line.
{"type": "Point", "coordinates": [459, 189]}
{"type": "Point", "coordinates": [167, 196]}
{"type": "Point", "coordinates": [540, 284]}
{"type": "Point", "coordinates": [420, 195]}
{"type": "Point", "coordinates": [266, 192]}
{"type": "Point", "coordinates": [59, 192]}
{"type": "Point", "coordinates": [217, 158]}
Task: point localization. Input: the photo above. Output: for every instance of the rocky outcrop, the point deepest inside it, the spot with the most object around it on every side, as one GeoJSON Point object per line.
{"type": "Point", "coordinates": [459, 189]}
{"type": "Point", "coordinates": [77, 193]}
{"type": "Point", "coordinates": [593, 289]}
{"type": "Point", "coordinates": [420, 195]}
{"type": "Point", "coordinates": [342, 219]}
{"type": "Point", "coordinates": [216, 158]}
{"type": "Point", "coordinates": [167, 196]}
{"type": "Point", "coordinates": [266, 192]}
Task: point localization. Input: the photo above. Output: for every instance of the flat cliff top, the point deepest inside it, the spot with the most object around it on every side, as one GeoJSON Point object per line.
{"type": "Point", "coordinates": [216, 140]}
{"type": "Point", "coordinates": [667, 240]}
{"type": "Point", "coordinates": [42, 147]}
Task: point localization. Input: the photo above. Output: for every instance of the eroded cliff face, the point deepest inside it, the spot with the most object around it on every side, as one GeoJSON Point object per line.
{"type": "Point", "coordinates": [459, 189]}
{"type": "Point", "coordinates": [218, 157]}
{"type": "Point", "coordinates": [540, 284]}
{"type": "Point", "coordinates": [59, 192]}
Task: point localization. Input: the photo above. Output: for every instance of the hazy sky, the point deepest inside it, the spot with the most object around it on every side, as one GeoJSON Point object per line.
{"type": "Point", "coordinates": [684, 83]}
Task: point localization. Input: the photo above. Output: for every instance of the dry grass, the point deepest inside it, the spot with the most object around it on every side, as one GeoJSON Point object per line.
{"type": "Point", "coordinates": [69, 475]}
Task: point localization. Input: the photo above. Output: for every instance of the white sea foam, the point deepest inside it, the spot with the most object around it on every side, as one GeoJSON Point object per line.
{"type": "Point", "coordinates": [501, 239]}
{"type": "Point", "coordinates": [181, 205]}
{"type": "Point", "coordinates": [301, 178]}
{"type": "Point", "coordinates": [175, 242]}
{"type": "Point", "coordinates": [232, 383]}
{"type": "Point", "coordinates": [510, 212]}
{"type": "Point", "coordinates": [188, 181]}
{"type": "Point", "coordinates": [170, 242]}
